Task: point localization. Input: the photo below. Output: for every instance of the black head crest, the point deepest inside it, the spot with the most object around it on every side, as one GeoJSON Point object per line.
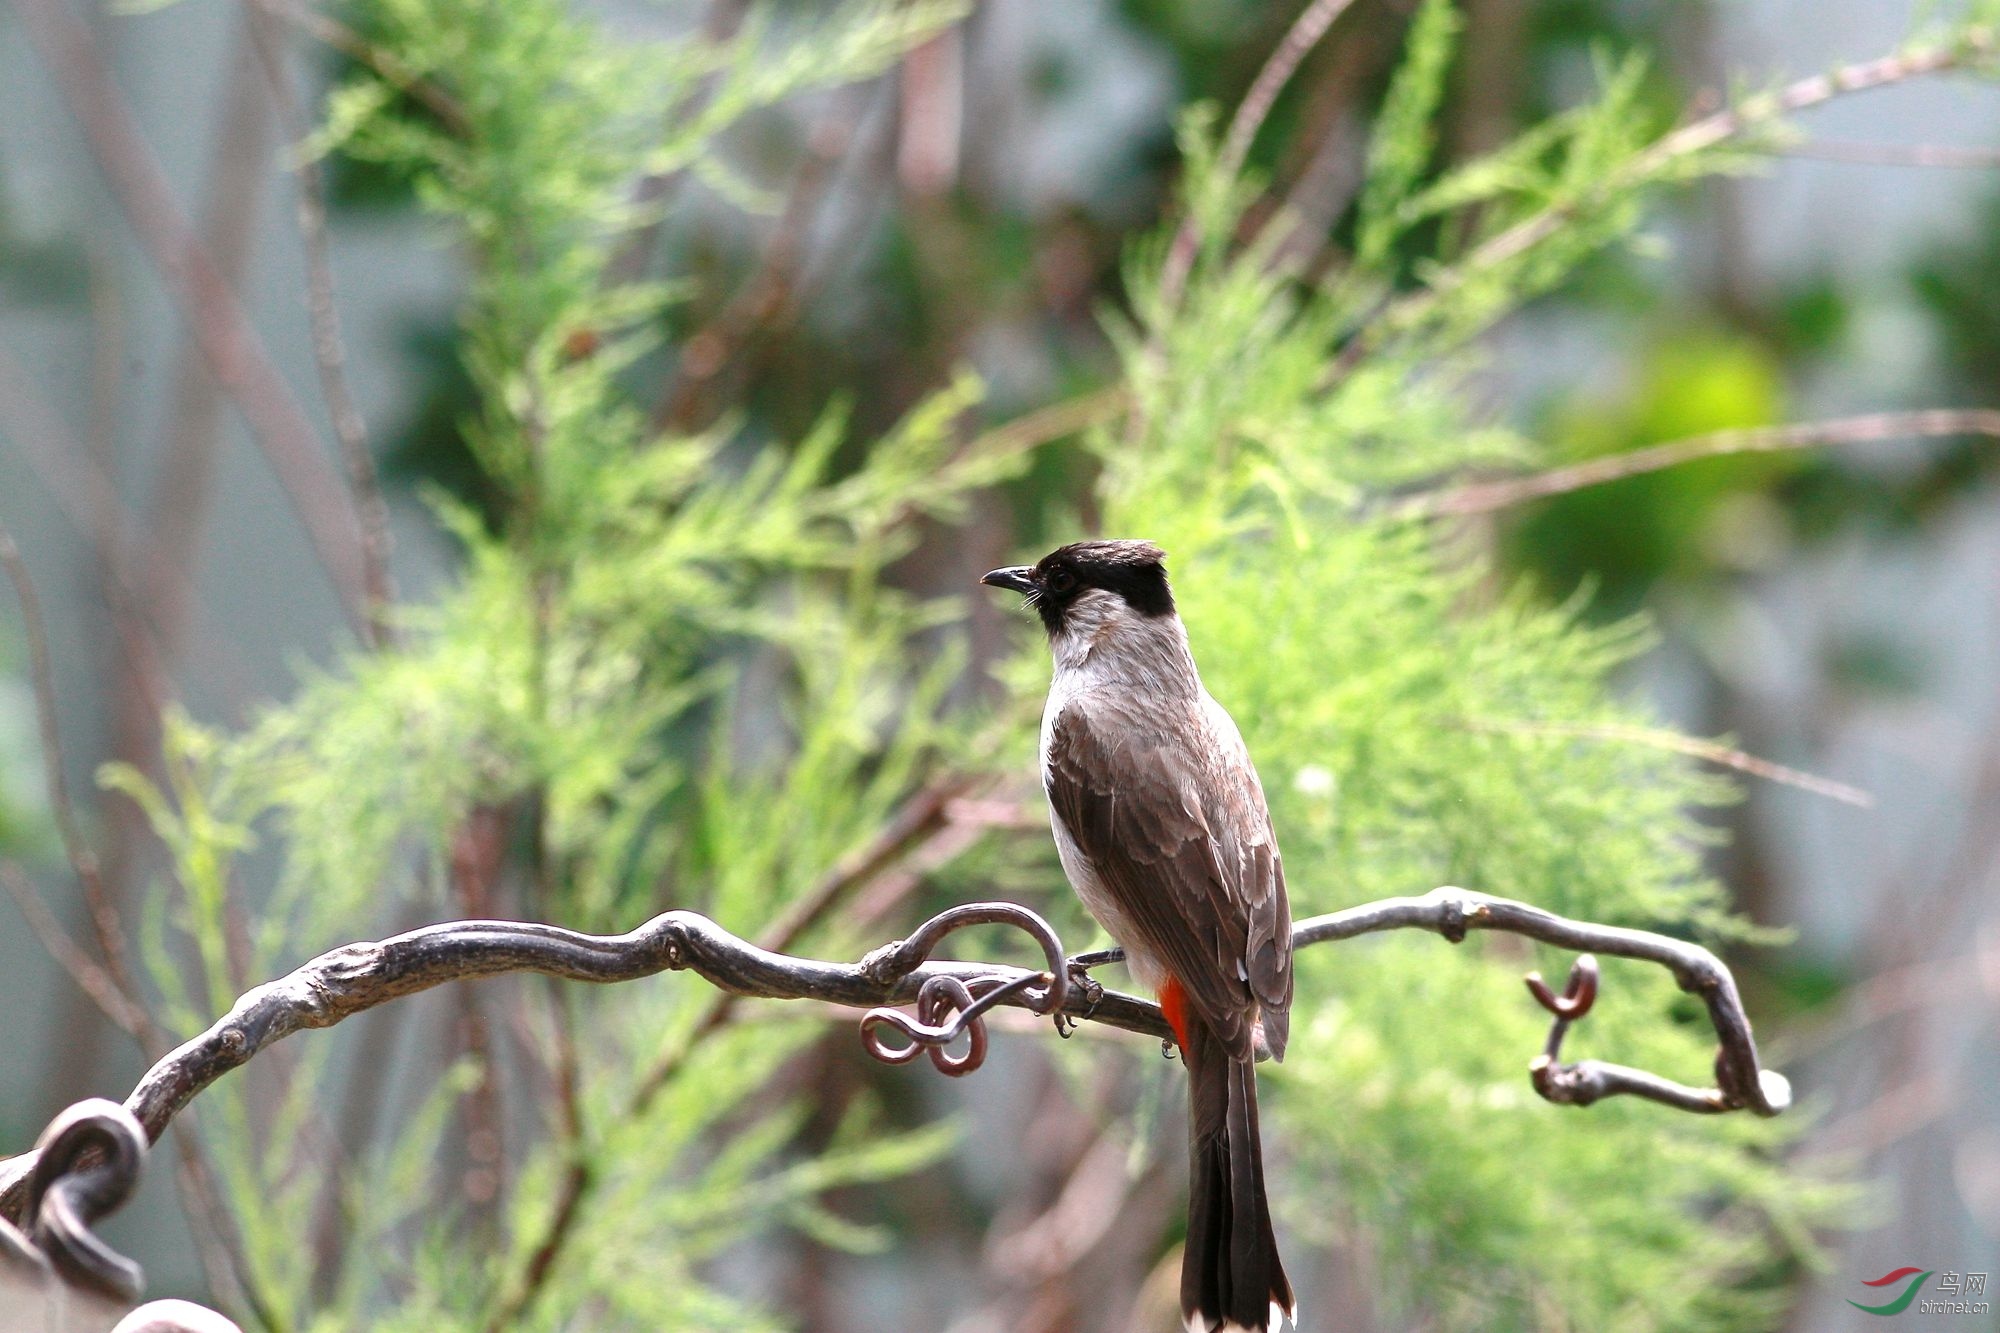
{"type": "Point", "coordinates": [1133, 570]}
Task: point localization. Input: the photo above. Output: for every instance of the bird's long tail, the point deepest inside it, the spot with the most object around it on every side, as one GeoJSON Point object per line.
{"type": "Point", "coordinates": [1231, 1277]}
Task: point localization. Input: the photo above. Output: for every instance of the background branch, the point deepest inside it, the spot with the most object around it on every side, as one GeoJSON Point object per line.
{"type": "Point", "coordinates": [1696, 135]}
{"type": "Point", "coordinates": [329, 347]}
{"type": "Point", "coordinates": [114, 987]}
{"type": "Point", "coordinates": [1871, 428]}
{"type": "Point", "coordinates": [109, 931]}
{"type": "Point", "coordinates": [1708, 751]}
{"type": "Point", "coordinates": [221, 328]}
{"type": "Point", "coordinates": [1277, 71]}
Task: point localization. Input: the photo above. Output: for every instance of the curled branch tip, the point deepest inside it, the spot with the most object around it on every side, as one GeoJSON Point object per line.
{"type": "Point", "coordinates": [86, 1165]}
{"type": "Point", "coordinates": [68, 1192]}
{"type": "Point", "coordinates": [949, 1007]}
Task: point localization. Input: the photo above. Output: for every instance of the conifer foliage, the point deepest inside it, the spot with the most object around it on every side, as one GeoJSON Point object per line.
{"type": "Point", "coordinates": [670, 671]}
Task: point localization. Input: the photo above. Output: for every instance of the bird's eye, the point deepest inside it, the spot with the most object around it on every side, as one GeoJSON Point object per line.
{"type": "Point", "coordinates": [1061, 579]}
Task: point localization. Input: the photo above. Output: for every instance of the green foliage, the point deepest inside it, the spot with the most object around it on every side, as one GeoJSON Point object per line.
{"type": "Point", "coordinates": [1402, 145]}
{"type": "Point", "coordinates": [673, 672]}
{"type": "Point", "coordinates": [1397, 705]}
{"type": "Point", "coordinates": [660, 650]}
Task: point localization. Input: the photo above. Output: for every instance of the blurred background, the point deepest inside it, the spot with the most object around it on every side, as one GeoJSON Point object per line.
{"type": "Point", "coordinates": [974, 205]}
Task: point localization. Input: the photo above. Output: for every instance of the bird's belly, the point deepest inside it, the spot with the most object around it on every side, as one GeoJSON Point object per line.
{"type": "Point", "coordinates": [1145, 967]}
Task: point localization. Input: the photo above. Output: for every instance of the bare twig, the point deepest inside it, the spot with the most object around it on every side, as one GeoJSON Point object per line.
{"type": "Point", "coordinates": [1694, 747]}
{"type": "Point", "coordinates": [1451, 912]}
{"type": "Point", "coordinates": [56, 1271]}
{"type": "Point", "coordinates": [1873, 428]}
{"type": "Point", "coordinates": [949, 1007]}
{"type": "Point", "coordinates": [84, 970]}
{"type": "Point", "coordinates": [221, 1255]}
{"type": "Point", "coordinates": [384, 63]}
{"type": "Point", "coordinates": [1694, 136]}
{"type": "Point", "coordinates": [357, 977]}
{"type": "Point", "coordinates": [67, 1193]}
{"type": "Point", "coordinates": [329, 348]}
{"type": "Point", "coordinates": [1283, 62]}
{"type": "Point", "coordinates": [105, 925]}
{"type": "Point", "coordinates": [1277, 71]}
{"type": "Point", "coordinates": [210, 310]}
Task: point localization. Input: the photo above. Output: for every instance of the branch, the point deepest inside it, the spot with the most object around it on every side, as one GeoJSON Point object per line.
{"type": "Point", "coordinates": [109, 930]}
{"type": "Point", "coordinates": [329, 348]}
{"type": "Point", "coordinates": [1279, 66]}
{"type": "Point", "coordinates": [223, 331]}
{"type": "Point", "coordinates": [1277, 71]}
{"type": "Point", "coordinates": [1660, 738]}
{"type": "Point", "coordinates": [1874, 428]}
{"type": "Point", "coordinates": [381, 61]}
{"type": "Point", "coordinates": [55, 1270]}
{"type": "Point", "coordinates": [950, 996]}
{"type": "Point", "coordinates": [1451, 912]}
{"type": "Point", "coordinates": [1968, 47]}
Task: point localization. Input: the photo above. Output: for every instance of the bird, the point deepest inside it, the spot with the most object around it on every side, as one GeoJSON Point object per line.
{"type": "Point", "coordinates": [1162, 829]}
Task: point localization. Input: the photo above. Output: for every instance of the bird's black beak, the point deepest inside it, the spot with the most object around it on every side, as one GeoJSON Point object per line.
{"type": "Point", "coordinates": [1021, 578]}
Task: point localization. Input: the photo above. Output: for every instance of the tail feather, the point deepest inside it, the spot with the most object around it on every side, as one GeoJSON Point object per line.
{"type": "Point", "coordinates": [1231, 1275]}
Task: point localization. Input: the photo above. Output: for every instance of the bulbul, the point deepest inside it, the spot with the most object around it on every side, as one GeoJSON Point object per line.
{"type": "Point", "coordinates": [1162, 829]}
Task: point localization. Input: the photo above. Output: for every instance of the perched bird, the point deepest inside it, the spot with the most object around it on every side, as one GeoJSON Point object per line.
{"type": "Point", "coordinates": [1162, 829]}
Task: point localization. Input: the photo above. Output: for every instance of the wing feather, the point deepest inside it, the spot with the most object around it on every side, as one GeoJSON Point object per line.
{"type": "Point", "coordinates": [1172, 818]}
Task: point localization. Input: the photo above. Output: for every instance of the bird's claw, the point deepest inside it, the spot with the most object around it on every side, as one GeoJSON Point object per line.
{"type": "Point", "coordinates": [1091, 989]}
{"type": "Point", "coordinates": [1092, 992]}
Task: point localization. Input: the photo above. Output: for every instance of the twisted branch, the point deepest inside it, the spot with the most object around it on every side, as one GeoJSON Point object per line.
{"type": "Point", "coordinates": [1742, 1083]}
{"type": "Point", "coordinates": [56, 1271]}
{"type": "Point", "coordinates": [356, 977]}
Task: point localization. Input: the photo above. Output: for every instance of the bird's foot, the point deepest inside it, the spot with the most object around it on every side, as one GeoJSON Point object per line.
{"type": "Point", "coordinates": [1092, 991]}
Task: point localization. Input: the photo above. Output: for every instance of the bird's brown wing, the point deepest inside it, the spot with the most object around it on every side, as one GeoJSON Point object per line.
{"type": "Point", "coordinates": [1174, 823]}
